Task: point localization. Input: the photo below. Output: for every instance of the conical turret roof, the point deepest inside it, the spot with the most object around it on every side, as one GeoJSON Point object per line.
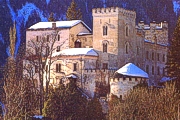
{"type": "Point", "coordinates": [132, 70]}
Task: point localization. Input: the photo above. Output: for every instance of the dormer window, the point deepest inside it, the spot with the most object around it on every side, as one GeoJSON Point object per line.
{"type": "Point", "coordinates": [105, 29]}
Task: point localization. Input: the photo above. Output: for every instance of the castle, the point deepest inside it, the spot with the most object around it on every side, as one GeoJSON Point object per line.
{"type": "Point", "coordinates": [93, 56]}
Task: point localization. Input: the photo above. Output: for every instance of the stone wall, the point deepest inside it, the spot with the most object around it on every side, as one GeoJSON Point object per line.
{"type": "Point", "coordinates": [121, 86]}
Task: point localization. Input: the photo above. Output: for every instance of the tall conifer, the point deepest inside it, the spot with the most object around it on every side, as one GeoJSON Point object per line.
{"type": "Point", "coordinates": [73, 13]}
{"type": "Point", "coordinates": [173, 57]}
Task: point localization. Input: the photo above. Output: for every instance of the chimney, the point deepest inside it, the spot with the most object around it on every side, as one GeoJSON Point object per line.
{"type": "Point", "coordinates": [53, 25]}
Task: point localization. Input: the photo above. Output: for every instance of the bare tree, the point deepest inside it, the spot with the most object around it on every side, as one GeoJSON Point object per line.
{"type": "Point", "coordinates": [38, 61]}
{"type": "Point", "coordinates": [20, 94]}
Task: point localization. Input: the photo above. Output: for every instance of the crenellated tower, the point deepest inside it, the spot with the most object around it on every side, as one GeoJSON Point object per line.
{"type": "Point", "coordinates": [113, 35]}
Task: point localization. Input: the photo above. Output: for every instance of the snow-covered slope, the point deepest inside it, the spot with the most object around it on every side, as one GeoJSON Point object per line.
{"type": "Point", "coordinates": [176, 5]}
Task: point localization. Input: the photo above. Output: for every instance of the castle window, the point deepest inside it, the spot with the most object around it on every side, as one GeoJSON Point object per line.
{"type": "Point", "coordinates": [47, 50]}
{"type": "Point", "coordinates": [138, 49]}
{"type": "Point", "coordinates": [152, 55]}
{"type": "Point", "coordinates": [158, 70]}
{"type": "Point", "coordinates": [37, 38]}
{"type": "Point", "coordinates": [58, 68]}
{"type": "Point", "coordinates": [105, 29]}
{"type": "Point", "coordinates": [58, 38]}
{"type": "Point", "coordinates": [127, 48]}
{"type": "Point", "coordinates": [58, 49]}
{"type": "Point", "coordinates": [152, 70]}
{"type": "Point", "coordinates": [46, 67]}
{"type": "Point", "coordinates": [147, 55]}
{"type": "Point", "coordinates": [158, 56]}
{"type": "Point", "coordinates": [97, 64]}
{"type": "Point", "coordinates": [163, 71]}
{"type": "Point", "coordinates": [74, 66]}
{"type": "Point", "coordinates": [37, 50]}
{"type": "Point", "coordinates": [127, 31]}
{"type": "Point", "coordinates": [47, 38]}
{"type": "Point", "coordinates": [104, 47]}
{"type": "Point", "coordinates": [105, 65]}
{"type": "Point", "coordinates": [163, 57]}
{"type": "Point", "coordinates": [120, 97]}
{"type": "Point", "coordinates": [77, 44]}
{"type": "Point", "coordinates": [36, 69]}
{"type": "Point", "coordinates": [100, 21]}
{"type": "Point", "coordinates": [147, 69]}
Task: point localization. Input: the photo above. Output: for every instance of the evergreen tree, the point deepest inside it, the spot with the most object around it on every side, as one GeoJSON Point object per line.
{"type": "Point", "coordinates": [173, 57]}
{"type": "Point", "coordinates": [73, 13]}
{"type": "Point", "coordinates": [53, 107]}
{"type": "Point", "coordinates": [65, 102]}
{"type": "Point", "coordinates": [94, 110]}
{"type": "Point", "coordinates": [51, 18]}
{"type": "Point", "coordinates": [144, 103]}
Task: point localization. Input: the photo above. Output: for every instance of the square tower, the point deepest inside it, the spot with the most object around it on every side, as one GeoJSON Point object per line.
{"type": "Point", "coordinates": [113, 35]}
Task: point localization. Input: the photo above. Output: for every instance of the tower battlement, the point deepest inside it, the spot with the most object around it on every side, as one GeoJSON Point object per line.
{"type": "Point", "coordinates": [153, 25]}
{"type": "Point", "coordinates": [139, 80]}
{"type": "Point", "coordinates": [114, 10]}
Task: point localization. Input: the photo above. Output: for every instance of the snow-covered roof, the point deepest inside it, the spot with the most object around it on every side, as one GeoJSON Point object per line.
{"type": "Point", "coordinates": [146, 40]}
{"type": "Point", "coordinates": [132, 70]}
{"type": "Point", "coordinates": [59, 24]}
{"type": "Point", "coordinates": [81, 33]}
{"type": "Point", "coordinates": [76, 52]}
{"type": "Point", "coordinates": [146, 27]}
{"type": "Point", "coordinates": [71, 76]}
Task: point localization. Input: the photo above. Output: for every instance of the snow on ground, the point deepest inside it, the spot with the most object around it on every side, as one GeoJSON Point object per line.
{"type": "Point", "coordinates": [165, 79]}
{"type": "Point", "coordinates": [38, 116]}
{"type": "Point", "coordinates": [76, 51]}
{"type": "Point", "coordinates": [132, 70]}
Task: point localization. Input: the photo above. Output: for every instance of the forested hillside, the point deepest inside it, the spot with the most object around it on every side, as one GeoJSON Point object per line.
{"type": "Point", "coordinates": [27, 12]}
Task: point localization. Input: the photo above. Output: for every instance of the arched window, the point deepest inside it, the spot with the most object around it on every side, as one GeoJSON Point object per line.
{"type": "Point", "coordinates": [77, 44]}
{"type": "Point", "coordinates": [127, 31]}
{"type": "Point", "coordinates": [152, 55]}
{"type": "Point", "coordinates": [105, 29]}
{"type": "Point", "coordinates": [127, 48]}
{"type": "Point", "coordinates": [104, 47]}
